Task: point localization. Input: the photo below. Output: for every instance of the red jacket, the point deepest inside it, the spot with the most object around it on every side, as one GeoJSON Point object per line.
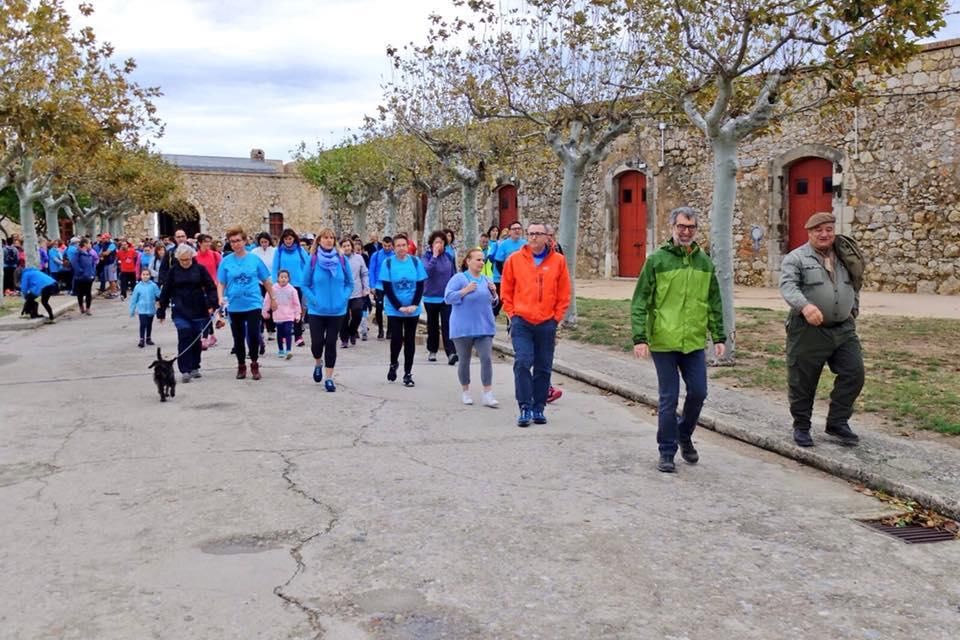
{"type": "Point", "coordinates": [535, 293]}
{"type": "Point", "coordinates": [128, 260]}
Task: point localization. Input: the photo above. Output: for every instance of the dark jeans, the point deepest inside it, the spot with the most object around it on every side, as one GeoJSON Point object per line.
{"type": "Point", "coordinates": [403, 335]}
{"type": "Point", "coordinates": [188, 342]}
{"type": "Point", "coordinates": [533, 348]}
{"type": "Point", "coordinates": [128, 280]}
{"type": "Point", "coordinates": [438, 323]}
{"type": "Point", "coordinates": [808, 349]}
{"type": "Point", "coordinates": [671, 366]}
{"type": "Point", "coordinates": [285, 335]}
{"type": "Point", "coordinates": [146, 326]}
{"type": "Point", "coordinates": [245, 326]}
{"type": "Point", "coordinates": [83, 289]}
{"type": "Point", "coordinates": [351, 321]}
{"type": "Point", "coordinates": [323, 338]}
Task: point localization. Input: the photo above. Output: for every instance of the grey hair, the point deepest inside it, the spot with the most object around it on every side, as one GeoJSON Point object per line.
{"type": "Point", "coordinates": [682, 211]}
{"type": "Point", "coordinates": [550, 229]}
{"type": "Point", "coordinates": [185, 250]}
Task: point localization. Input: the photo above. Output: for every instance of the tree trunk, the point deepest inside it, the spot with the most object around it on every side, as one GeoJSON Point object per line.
{"type": "Point", "coordinates": [115, 225]}
{"type": "Point", "coordinates": [468, 200]}
{"type": "Point", "coordinates": [432, 220]}
{"type": "Point", "coordinates": [573, 174]}
{"type": "Point", "coordinates": [390, 216]}
{"type": "Point", "coordinates": [359, 219]}
{"type": "Point", "coordinates": [51, 212]}
{"type": "Point", "coordinates": [28, 224]}
{"type": "Point", "coordinates": [721, 229]}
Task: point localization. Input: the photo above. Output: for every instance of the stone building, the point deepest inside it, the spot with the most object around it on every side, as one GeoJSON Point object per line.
{"type": "Point", "coordinates": [889, 169]}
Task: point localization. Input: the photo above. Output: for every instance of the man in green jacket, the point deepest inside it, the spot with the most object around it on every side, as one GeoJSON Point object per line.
{"type": "Point", "coordinates": [676, 301]}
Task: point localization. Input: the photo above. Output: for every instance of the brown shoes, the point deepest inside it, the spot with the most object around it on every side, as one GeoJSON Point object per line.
{"type": "Point", "coordinates": [241, 371]}
{"type": "Point", "coordinates": [255, 370]}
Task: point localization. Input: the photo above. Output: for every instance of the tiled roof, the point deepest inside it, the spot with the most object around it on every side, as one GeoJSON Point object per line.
{"type": "Point", "coordinates": [216, 163]}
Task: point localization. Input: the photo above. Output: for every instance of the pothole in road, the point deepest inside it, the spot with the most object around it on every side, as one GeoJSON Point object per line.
{"type": "Point", "coordinates": [213, 406]}
{"type": "Point", "coordinates": [404, 614]}
{"type": "Point", "coordinates": [248, 543]}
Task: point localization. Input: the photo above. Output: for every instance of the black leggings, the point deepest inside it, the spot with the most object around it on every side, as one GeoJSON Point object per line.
{"type": "Point", "coordinates": [403, 333]}
{"type": "Point", "coordinates": [83, 288]}
{"type": "Point", "coordinates": [31, 301]}
{"type": "Point", "coordinates": [438, 325]}
{"type": "Point", "coordinates": [323, 338]}
{"type": "Point", "coordinates": [351, 321]}
{"type": "Point", "coordinates": [245, 325]}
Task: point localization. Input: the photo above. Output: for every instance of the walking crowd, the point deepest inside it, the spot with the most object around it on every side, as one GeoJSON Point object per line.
{"type": "Point", "coordinates": [270, 289]}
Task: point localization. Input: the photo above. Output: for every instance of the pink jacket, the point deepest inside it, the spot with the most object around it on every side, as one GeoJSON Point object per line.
{"type": "Point", "coordinates": [288, 304]}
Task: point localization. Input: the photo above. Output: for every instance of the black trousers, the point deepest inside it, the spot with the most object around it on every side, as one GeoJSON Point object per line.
{"type": "Point", "coordinates": [351, 321]}
{"type": "Point", "coordinates": [30, 302]}
{"type": "Point", "coordinates": [245, 327]}
{"type": "Point", "coordinates": [438, 323]}
{"type": "Point", "coordinates": [378, 299]}
{"type": "Point", "coordinates": [128, 281]}
{"type": "Point", "coordinates": [323, 338]}
{"type": "Point", "coordinates": [84, 290]}
{"type": "Point", "coordinates": [499, 305]}
{"type": "Point", "coordinates": [403, 334]}
{"type": "Point", "coordinates": [809, 348]}
{"type": "Point", "coordinates": [9, 278]}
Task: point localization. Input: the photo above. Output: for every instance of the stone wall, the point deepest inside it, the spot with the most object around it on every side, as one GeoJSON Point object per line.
{"type": "Point", "coordinates": [896, 172]}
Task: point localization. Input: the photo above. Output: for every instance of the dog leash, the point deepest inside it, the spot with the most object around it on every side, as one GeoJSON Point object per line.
{"type": "Point", "coordinates": [199, 335]}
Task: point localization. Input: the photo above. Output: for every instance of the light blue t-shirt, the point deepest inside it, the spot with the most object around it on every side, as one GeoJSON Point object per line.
{"type": "Point", "coordinates": [241, 278]}
{"type": "Point", "coordinates": [404, 275]}
{"type": "Point", "coordinates": [504, 249]}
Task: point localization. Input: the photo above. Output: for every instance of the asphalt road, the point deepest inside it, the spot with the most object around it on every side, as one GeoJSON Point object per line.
{"type": "Point", "coordinates": [272, 509]}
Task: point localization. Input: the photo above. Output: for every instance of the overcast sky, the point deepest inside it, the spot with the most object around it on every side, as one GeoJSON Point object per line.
{"type": "Point", "coordinates": [239, 74]}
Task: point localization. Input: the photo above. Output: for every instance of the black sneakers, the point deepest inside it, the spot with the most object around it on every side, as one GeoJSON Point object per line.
{"type": "Point", "coordinates": [666, 464]}
{"type": "Point", "coordinates": [802, 437]}
{"type": "Point", "coordinates": [392, 373]}
{"type": "Point", "coordinates": [408, 380]}
{"type": "Point", "coordinates": [844, 434]}
{"type": "Point", "coordinates": [689, 453]}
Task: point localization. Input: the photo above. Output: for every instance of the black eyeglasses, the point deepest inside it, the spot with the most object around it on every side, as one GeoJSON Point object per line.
{"type": "Point", "coordinates": [686, 227]}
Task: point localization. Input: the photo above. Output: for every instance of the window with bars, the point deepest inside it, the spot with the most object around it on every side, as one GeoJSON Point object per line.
{"type": "Point", "coordinates": [276, 224]}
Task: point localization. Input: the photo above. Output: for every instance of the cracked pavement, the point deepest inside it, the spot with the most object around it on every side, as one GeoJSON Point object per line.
{"type": "Point", "coordinates": [274, 510]}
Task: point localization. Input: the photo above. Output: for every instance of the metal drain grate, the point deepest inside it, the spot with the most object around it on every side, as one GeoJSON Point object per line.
{"type": "Point", "coordinates": [913, 534]}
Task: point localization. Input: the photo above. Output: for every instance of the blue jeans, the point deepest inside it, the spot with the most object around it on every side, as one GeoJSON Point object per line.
{"type": "Point", "coordinates": [532, 347]}
{"type": "Point", "coordinates": [671, 365]}
{"type": "Point", "coordinates": [188, 342]}
{"type": "Point", "coordinates": [285, 335]}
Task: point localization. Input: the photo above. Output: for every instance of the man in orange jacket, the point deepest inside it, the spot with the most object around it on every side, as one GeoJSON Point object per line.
{"type": "Point", "coordinates": [535, 289]}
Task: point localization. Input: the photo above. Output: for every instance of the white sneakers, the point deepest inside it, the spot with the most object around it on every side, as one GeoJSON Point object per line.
{"type": "Point", "coordinates": [488, 399]}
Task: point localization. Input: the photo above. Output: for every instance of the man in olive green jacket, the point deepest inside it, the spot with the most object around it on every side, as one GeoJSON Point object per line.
{"type": "Point", "coordinates": [676, 301]}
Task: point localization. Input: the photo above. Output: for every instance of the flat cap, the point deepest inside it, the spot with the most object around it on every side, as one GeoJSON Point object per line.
{"type": "Point", "coordinates": [818, 219]}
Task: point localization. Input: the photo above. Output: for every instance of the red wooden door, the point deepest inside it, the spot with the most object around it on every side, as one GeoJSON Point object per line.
{"type": "Point", "coordinates": [507, 195]}
{"type": "Point", "coordinates": [810, 189]}
{"type": "Point", "coordinates": [632, 204]}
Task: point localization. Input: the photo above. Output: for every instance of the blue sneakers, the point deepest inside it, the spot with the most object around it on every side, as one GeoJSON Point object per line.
{"type": "Point", "coordinates": [318, 374]}
{"type": "Point", "coordinates": [538, 417]}
{"type": "Point", "coordinates": [329, 386]}
{"type": "Point", "coordinates": [525, 416]}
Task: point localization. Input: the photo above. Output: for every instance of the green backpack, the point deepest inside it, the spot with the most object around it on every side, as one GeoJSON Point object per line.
{"type": "Point", "coordinates": [852, 258]}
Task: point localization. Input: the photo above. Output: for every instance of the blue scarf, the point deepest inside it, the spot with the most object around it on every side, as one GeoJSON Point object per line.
{"type": "Point", "coordinates": [328, 260]}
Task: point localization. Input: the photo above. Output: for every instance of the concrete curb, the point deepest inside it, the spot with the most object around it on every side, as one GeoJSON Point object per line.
{"type": "Point", "coordinates": [14, 322]}
{"type": "Point", "coordinates": [817, 457]}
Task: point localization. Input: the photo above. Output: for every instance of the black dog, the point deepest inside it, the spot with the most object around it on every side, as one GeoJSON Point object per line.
{"type": "Point", "coordinates": [164, 377]}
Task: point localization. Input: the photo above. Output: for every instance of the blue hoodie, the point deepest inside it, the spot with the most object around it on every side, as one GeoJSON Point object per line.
{"type": "Point", "coordinates": [375, 263]}
{"type": "Point", "coordinates": [84, 263]}
{"type": "Point", "coordinates": [33, 281]}
{"type": "Point", "coordinates": [295, 259]}
{"type": "Point", "coordinates": [144, 298]}
{"type": "Point", "coordinates": [327, 293]}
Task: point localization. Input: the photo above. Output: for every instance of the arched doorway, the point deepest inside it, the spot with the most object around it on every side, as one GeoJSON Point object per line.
{"type": "Point", "coordinates": [809, 190]}
{"type": "Point", "coordinates": [632, 213]}
{"type": "Point", "coordinates": [182, 216]}
{"type": "Point", "coordinates": [66, 229]}
{"type": "Point", "coordinates": [507, 197]}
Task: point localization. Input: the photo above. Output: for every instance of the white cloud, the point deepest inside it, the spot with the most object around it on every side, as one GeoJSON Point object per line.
{"type": "Point", "coordinates": [238, 74]}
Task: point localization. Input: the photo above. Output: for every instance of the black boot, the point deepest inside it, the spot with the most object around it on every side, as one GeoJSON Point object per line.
{"type": "Point", "coordinates": [688, 452]}
{"type": "Point", "coordinates": [844, 434]}
{"type": "Point", "coordinates": [666, 464]}
{"type": "Point", "coordinates": [802, 437]}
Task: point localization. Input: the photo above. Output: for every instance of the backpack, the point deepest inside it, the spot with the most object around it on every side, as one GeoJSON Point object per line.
{"type": "Point", "coordinates": [852, 258]}
{"type": "Point", "coordinates": [416, 265]}
{"type": "Point", "coordinates": [10, 256]}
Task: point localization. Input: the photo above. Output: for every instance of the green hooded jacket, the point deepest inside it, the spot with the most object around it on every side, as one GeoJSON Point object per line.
{"type": "Point", "coordinates": [677, 299]}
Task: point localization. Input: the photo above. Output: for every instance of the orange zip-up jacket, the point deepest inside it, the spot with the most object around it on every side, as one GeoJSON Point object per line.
{"type": "Point", "coordinates": [534, 293]}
